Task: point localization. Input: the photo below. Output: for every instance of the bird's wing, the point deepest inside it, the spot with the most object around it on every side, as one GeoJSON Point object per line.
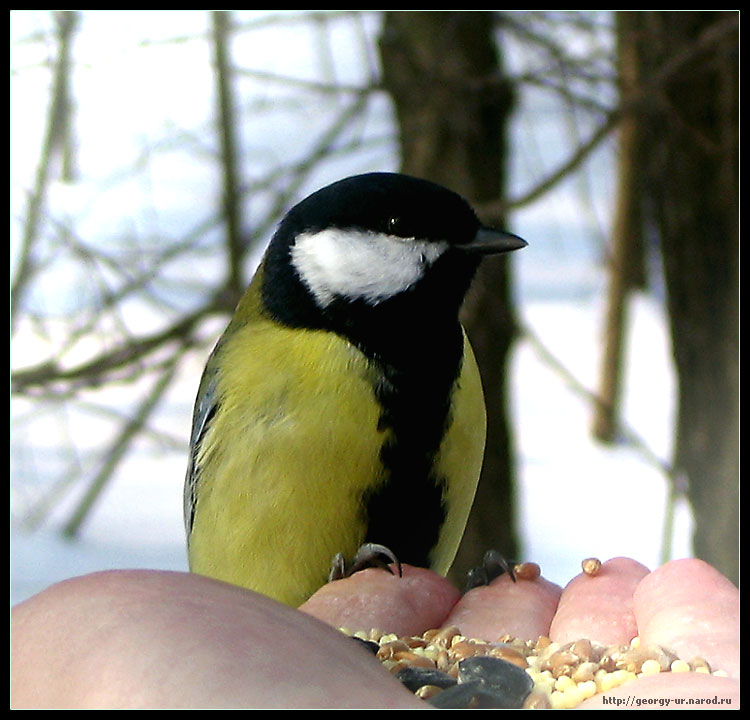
{"type": "Point", "coordinates": [206, 404]}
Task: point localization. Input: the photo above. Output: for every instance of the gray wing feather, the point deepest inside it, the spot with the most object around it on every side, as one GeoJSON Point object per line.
{"type": "Point", "coordinates": [206, 404]}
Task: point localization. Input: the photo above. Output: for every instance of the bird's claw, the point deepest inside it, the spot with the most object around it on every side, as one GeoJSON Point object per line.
{"type": "Point", "coordinates": [493, 566]}
{"type": "Point", "coordinates": [368, 555]}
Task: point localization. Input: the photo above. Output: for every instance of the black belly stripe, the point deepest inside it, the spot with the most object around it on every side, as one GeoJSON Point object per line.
{"type": "Point", "coordinates": [406, 511]}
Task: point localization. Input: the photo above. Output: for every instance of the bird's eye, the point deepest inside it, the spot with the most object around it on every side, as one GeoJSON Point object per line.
{"type": "Point", "coordinates": [393, 223]}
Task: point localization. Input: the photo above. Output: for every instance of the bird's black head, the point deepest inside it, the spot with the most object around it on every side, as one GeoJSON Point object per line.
{"type": "Point", "coordinates": [389, 204]}
{"type": "Point", "coordinates": [379, 246]}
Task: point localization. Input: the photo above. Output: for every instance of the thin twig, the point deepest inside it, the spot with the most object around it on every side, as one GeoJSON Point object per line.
{"type": "Point", "coordinates": [636, 100]}
{"type": "Point", "coordinates": [96, 371]}
{"type": "Point", "coordinates": [66, 22]}
{"type": "Point", "coordinates": [628, 434]}
{"type": "Point", "coordinates": [117, 451]}
{"type": "Point", "coordinates": [222, 32]}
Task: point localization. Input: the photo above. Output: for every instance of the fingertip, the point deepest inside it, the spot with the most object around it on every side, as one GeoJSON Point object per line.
{"type": "Point", "coordinates": [409, 604]}
{"type": "Point", "coordinates": [523, 609]}
{"type": "Point", "coordinates": [599, 606]}
{"type": "Point", "coordinates": [690, 607]}
{"type": "Point", "coordinates": [686, 576]}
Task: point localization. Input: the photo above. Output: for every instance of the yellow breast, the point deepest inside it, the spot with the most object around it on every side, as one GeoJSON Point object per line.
{"type": "Point", "coordinates": [285, 463]}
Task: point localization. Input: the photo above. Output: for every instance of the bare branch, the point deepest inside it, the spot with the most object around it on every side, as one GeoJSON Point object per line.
{"type": "Point", "coordinates": [630, 436]}
{"type": "Point", "coordinates": [117, 451]}
{"type": "Point", "coordinates": [640, 97]}
{"type": "Point", "coordinates": [65, 24]}
{"type": "Point", "coordinates": [101, 368]}
{"type": "Point", "coordinates": [222, 31]}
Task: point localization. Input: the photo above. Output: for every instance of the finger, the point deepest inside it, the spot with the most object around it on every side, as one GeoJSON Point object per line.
{"type": "Point", "coordinates": [690, 608]}
{"type": "Point", "coordinates": [523, 609]}
{"type": "Point", "coordinates": [599, 607]}
{"type": "Point", "coordinates": [419, 600]}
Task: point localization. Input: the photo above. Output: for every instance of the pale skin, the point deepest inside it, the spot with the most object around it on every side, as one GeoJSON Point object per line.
{"type": "Point", "coordinates": [150, 639]}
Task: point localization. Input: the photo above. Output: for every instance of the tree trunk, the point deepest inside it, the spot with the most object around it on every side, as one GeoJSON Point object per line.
{"type": "Point", "coordinates": [443, 73]}
{"type": "Point", "coordinates": [626, 252]}
{"type": "Point", "coordinates": [692, 189]}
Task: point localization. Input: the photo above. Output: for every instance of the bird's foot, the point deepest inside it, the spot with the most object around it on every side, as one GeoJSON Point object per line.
{"type": "Point", "coordinates": [493, 566]}
{"type": "Point", "coordinates": [368, 555]}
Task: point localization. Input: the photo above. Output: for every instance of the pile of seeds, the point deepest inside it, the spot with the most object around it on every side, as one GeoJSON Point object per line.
{"type": "Point", "coordinates": [449, 670]}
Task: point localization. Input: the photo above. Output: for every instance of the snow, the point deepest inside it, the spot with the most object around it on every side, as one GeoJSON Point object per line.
{"type": "Point", "coordinates": [577, 498]}
{"type": "Point", "coordinates": [580, 498]}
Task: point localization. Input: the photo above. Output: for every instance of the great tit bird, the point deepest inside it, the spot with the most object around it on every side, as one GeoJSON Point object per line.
{"type": "Point", "coordinates": [342, 408]}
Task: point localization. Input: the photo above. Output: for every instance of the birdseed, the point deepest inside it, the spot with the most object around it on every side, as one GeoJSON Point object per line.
{"type": "Point", "coordinates": [591, 566]}
{"type": "Point", "coordinates": [435, 664]}
{"type": "Point", "coordinates": [562, 675]}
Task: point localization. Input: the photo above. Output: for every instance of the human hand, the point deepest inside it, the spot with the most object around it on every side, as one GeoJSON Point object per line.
{"type": "Point", "coordinates": [149, 639]}
{"type": "Point", "coordinates": [146, 639]}
{"type": "Point", "coordinates": [685, 606]}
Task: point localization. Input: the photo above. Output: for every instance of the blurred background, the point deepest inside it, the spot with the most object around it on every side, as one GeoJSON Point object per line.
{"type": "Point", "coordinates": [153, 153]}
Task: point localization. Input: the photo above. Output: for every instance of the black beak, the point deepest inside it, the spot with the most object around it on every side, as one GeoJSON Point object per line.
{"type": "Point", "coordinates": [491, 242]}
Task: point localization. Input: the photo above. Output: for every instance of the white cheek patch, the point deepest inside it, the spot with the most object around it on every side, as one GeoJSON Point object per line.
{"type": "Point", "coordinates": [361, 265]}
